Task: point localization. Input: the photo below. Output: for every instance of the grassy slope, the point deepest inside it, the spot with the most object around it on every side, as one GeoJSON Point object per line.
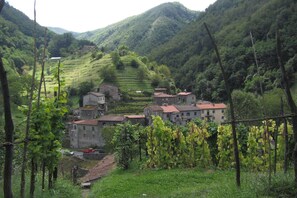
{"type": "Point", "coordinates": [77, 69]}
{"type": "Point", "coordinates": [180, 183]}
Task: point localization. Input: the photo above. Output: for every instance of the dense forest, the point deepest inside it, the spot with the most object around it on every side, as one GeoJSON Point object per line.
{"type": "Point", "coordinates": [191, 57]}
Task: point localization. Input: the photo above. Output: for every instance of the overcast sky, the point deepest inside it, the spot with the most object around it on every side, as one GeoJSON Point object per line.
{"type": "Point", "coordinates": [87, 15]}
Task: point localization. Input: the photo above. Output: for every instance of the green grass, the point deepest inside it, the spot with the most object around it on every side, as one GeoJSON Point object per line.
{"type": "Point", "coordinates": [63, 188]}
{"type": "Point", "coordinates": [189, 183]}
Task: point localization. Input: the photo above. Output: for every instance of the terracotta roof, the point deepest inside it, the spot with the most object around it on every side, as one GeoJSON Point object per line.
{"type": "Point", "coordinates": [111, 118]}
{"type": "Point", "coordinates": [155, 108]}
{"type": "Point", "coordinates": [101, 169]}
{"type": "Point", "coordinates": [169, 109]}
{"type": "Point", "coordinates": [163, 95]}
{"type": "Point", "coordinates": [96, 94]}
{"type": "Point", "coordinates": [184, 93]}
{"type": "Point", "coordinates": [187, 108]}
{"type": "Point", "coordinates": [135, 116]}
{"type": "Point", "coordinates": [211, 106]}
{"type": "Point", "coordinates": [86, 122]}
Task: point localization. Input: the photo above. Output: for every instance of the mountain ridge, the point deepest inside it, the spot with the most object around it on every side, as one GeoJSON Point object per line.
{"type": "Point", "coordinates": [142, 33]}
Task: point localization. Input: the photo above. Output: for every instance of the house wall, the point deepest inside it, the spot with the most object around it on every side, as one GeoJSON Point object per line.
{"type": "Point", "coordinates": [93, 100]}
{"type": "Point", "coordinates": [88, 114]}
{"type": "Point", "coordinates": [189, 99]}
{"type": "Point", "coordinates": [215, 115]}
{"type": "Point", "coordinates": [84, 136]}
{"type": "Point", "coordinates": [149, 113]}
{"type": "Point", "coordinates": [165, 100]}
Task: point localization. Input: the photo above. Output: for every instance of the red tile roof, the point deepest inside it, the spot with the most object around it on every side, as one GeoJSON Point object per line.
{"type": "Point", "coordinates": [186, 108]}
{"type": "Point", "coordinates": [169, 109]}
{"type": "Point", "coordinates": [211, 106]}
{"type": "Point", "coordinates": [163, 95]}
{"type": "Point", "coordinates": [135, 116]}
{"type": "Point", "coordinates": [96, 94]}
{"type": "Point", "coordinates": [184, 93]}
{"type": "Point", "coordinates": [155, 108]}
{"type": "Point", "coordinates": [111, 118]}
{"type": "Point", "coordinates": [86, 122]}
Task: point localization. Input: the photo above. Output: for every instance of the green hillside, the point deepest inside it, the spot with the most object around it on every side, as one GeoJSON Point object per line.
{"type": "Point", "coordinates": [145, 32]}
{"type": "Point", "coordinates": [134, 81]}
{"type": "Point", "coordinates": [191, 56]}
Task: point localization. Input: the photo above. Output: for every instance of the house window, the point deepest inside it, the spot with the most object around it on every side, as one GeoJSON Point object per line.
{"type": "Point", "coordinates": [202, 111]}
{"type": "Point", "coordinates": [195, 113]}
{"type": "Point", "coordinates": [223, 117]}
{"type": "Point", "coordinates": [207, 112]}
{"type": "Point", "coordinates": [182, 114]}
{"type": "Point", "coordinates": [74, 126]}
{"type": "Point", "coordinates": [188, 113]}
{"type": "Point", "coordinates": [84, 127]}
{"type": "Point", "coordinates": [213, 111]}
{"type": "Point", "coordinates": [222, 110]}
{"type": "Point", "coordinates": [93, 128]}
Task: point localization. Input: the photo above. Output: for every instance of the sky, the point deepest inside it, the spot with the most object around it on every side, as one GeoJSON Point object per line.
{"type": "Point", "coordinates": [88, 15]}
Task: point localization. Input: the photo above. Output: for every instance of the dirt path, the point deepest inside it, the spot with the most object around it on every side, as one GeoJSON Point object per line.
{"type": "Point", "coordinates": [101, 169]}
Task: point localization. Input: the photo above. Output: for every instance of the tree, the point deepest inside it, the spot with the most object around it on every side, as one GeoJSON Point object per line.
{"type": "Point", "coordinates": [246, 105]}
{"type": "Point", "coordinates": [9, 130]}
{"type": "Point", "coordinates": [108, 74]}
{"type": "Point", "coordinates": [85, 87]}
{"type": "Point", "coordinates": [163, 69]}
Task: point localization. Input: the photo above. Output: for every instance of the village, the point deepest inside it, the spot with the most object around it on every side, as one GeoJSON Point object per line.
{"type": "Point", "coordinates": [85, 130]}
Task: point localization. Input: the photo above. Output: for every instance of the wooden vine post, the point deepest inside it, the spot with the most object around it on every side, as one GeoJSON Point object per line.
{"type": "Point", "coordinates": [23, 169]}
{"type": "Point", "coordinates": [233, 122]}
{"type": "Point", "coordinates": [290, 100]}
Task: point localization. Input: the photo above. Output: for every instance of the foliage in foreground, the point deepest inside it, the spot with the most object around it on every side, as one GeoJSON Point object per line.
{"type": "Point", "coordinates": [191, 183]}
{"type": "Point", "coordinates": [62, 188]}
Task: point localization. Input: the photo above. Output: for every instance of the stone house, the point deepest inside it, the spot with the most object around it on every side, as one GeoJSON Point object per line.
{"type": "Point", "coordinates": [187, 113]}
{"type": "Point", "coordinates": [94, 105]}
{"type": "Point", "coordinates": [93, 99]}
{"type": "Point", "coordinates": [177, 114]}
{"type": "Point", "coordinates": [186, 98]}
{"type": "Point", "coordinates": [136, 119]}
{"type": "Point", "coordinates": [161, 98]}
{"type": "Point", "coordinates": [111, 91]}
{"type": "Point", "coordinates": [152, 110]}
{"type": "Point", "coordinates": [111, 120]}
{"type": "Point", "coordinates": [86, 133]}
{"type": "Point", "coordinates": [212, 111]}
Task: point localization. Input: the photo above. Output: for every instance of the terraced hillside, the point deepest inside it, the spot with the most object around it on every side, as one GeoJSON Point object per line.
{"type": "Point", "coordinates": [78, 69]}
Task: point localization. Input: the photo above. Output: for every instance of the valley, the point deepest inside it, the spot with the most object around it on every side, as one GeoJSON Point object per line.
{"type": "Point", "coordinates": [169, 125]}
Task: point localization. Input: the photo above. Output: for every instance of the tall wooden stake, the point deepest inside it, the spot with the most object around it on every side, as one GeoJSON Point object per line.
{"type": "Point", "coordinates": [233, 123]}
{"type": "Point", "coordinates": [290, 100]}
{"type": "Point", "coordinates": [23, 169]}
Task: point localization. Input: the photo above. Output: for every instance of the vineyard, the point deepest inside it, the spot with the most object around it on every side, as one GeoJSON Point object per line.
{"type": "Point", "coordinates": [202, 144]}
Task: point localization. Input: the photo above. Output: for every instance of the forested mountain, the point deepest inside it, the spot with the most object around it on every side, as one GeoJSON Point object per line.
{"type": "Point", "coordinates": [58, 30]}
{"type": "Point", "coordinates": [16, 41]}
{"type": "Point", "coordinates": [191, 56]}
{"type": "Point", "coordinates": [145, 32]}
{"type": "Point", "coordinates": [16, 48]}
